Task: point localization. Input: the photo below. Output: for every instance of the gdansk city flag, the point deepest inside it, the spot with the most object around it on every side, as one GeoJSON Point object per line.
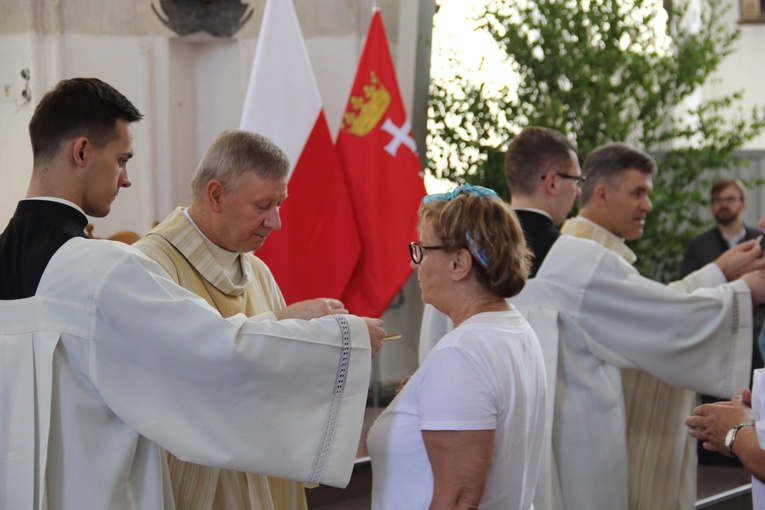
{"type": "Point", "coordinates": [380, 159]}
{"type": "Point", "coordinates": [317, 249]}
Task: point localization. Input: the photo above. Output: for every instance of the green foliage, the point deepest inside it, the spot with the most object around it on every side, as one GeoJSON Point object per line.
{"type": "Point", "coordinates": [603, 71]}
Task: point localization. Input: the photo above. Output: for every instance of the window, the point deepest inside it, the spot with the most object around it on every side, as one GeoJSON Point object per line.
{"type": "Point", "coordinates": [752, 11]}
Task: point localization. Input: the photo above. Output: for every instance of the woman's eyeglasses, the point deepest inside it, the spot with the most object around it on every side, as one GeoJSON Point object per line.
{"type": "Point", "coordinates": [415, 251]}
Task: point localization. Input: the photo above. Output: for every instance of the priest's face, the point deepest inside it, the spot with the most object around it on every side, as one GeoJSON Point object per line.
{"type": "Point", "coordinates": [105, 171]}
{"type": "Point", "coordinates": [249, 213]}
{"type": "Point", "coordinates": [627, 204]}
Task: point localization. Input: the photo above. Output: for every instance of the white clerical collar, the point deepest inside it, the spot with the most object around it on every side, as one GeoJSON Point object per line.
{"type": "Point", "coordinates": [534, 210]}
{"type": "Point", "coordinates": [228, 260]}
{"type": "Point", "coordinates": [60, 201]}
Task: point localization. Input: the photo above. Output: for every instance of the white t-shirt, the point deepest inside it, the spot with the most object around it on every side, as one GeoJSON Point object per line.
{"type": "Point", "coordinates": [487, 374]}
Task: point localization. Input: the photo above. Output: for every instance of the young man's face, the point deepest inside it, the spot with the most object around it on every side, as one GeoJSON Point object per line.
{"type": "Point", "coordinates": [727, 205]}
{"type": "Point", "coordinates": [106, 172]}
{"type": "Point", "coordinates": [570, 189]}
{"type": "Point", "coordinates": [628, 204]}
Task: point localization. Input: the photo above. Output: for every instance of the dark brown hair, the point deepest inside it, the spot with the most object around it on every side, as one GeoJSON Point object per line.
{"type": "Point", "coordinates": [78, 107]}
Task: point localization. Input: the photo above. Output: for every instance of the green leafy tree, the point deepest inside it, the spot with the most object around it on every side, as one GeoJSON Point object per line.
{"type": "Point", "coordinates": [603, 71]}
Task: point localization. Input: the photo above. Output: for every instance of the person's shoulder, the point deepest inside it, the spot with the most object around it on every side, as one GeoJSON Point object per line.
{"type": "Point", "coordinates": [535, 221]}
{"type": "Point", "coordinates": [152, 242]}
{"type": "Point", "coordinates": [255, 261]}
{"type": "Point", "coordinates": [576, 260]}
{"type": "Point", "coordinates": [82, 260]}
{"type": "Point", "coordinates": [706, 236]}
{"type": "Point", "coordinates": [258, 266]}
{"type": "Point", "coordinates": [568, 245]}
{"type": "Point", "coordinates": [752, 232]}
{"type": "Point", "coordinates": [161, 251]}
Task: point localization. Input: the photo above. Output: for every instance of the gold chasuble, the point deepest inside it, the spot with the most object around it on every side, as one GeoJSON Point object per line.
{"type": "Point", "coordinates": [661, 456]}
{"type": "Point", "coordinates": [180, 249]}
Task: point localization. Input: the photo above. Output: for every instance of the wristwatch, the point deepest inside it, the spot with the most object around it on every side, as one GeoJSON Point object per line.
{"type": "Point", "coordinates": [731, 435]}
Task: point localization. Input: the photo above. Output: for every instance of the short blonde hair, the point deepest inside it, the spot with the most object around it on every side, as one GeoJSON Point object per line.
{"type": "Point", "coordinates": [486, 225]}
{"type": "Point", "coordinates": [235, 152]}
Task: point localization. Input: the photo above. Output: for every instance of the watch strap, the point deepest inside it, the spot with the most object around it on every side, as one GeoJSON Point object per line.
{"type": "Point", "coordinates": [732, 435]}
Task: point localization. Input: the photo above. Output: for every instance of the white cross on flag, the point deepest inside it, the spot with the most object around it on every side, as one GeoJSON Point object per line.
{"type": "Point", "coordinates": [380, 159]}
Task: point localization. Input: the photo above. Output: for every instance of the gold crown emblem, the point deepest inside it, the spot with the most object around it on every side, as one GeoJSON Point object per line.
{"type": "Point", "coordinates": [365, 112]}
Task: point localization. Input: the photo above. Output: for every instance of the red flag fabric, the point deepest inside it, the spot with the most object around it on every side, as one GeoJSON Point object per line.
{"type": "Point", "coordinates": [380, 159]}
{"type": "Point", "coordinates": [316, 251]}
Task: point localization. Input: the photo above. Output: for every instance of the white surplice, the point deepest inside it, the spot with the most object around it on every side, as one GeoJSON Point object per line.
{"type": "Point", "coordinates": [594, 315]}
{"type": "Point", "coordinates": [111, 361]}
{"type": "Point", "coordinates": [661, 456]}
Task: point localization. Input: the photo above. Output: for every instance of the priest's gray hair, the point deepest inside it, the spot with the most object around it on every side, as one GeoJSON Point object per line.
{"type": "Point", "coordinates": [235, 152]}
{"type": "Point", "coordinates": [608, 164]}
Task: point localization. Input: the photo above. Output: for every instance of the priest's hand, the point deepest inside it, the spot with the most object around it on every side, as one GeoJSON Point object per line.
{"type": "Point", "coordinates": [756, 282]}
{"type": "Point", "coordinates": [311, 309]}
{"type": "Point", "coordinates": [710, 423]}
{"type": "Point", "coordinates": [741, 259]}
{"type": "Point", "coordinates": [376, 334]}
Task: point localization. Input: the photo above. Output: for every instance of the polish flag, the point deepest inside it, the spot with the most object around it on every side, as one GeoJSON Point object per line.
{"type": "Point", "coordinates": [316, 251]}
{"type": "Point", "coordinates": [380, 159]}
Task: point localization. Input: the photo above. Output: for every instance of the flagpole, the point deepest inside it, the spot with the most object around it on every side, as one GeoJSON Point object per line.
{"type": "Point", "coordinates": [376, 360]}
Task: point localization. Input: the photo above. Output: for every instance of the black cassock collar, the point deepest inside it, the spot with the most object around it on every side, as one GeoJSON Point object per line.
{"type": "Point", "coordinates": [34, 234]}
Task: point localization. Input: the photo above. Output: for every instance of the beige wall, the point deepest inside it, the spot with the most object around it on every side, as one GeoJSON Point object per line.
{"type": "Point", "coordinates": [742, 71]}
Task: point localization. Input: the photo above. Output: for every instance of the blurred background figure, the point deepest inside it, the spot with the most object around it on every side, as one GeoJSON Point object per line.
{"type": "Point", "coordinates": [727, 201]}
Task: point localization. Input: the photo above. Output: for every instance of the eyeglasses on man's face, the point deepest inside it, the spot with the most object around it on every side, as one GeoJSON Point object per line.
{"type": "Point", "coordinates": [726, 200]}
{"type": "Point", "coordinates": [578, 178]}
{"type": "Point", "coordinates": [415, 251]}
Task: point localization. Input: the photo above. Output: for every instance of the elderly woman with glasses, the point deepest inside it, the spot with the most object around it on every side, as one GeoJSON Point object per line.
{"type": "Point", "coordinates": [466, 429]}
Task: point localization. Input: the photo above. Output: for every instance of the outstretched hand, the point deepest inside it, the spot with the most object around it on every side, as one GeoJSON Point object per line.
{"type": "Point", "coordinates": [741, 259]}
{"type": "Point", "coordinates": [756, 282]}
{"type": "Point", "coordinates": [376, 334]}
{"type": "Point", "coordinates": [311, 309]}
{"type": "Point", "coordinates": [319, 307]}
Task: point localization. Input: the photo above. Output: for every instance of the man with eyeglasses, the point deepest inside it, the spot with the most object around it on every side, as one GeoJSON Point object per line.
{"type": "Point", "coordinates": [727, 202]}
{"type": "Point", "coordinates": [543, 175]}
{"type": "Point", "coordinates": [611, 337]}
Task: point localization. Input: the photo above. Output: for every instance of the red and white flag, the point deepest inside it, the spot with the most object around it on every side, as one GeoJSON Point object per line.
{"type": "Point", "coordinates": [380, 159]}
{"type": "Point", "coordinates": [316, 251]}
